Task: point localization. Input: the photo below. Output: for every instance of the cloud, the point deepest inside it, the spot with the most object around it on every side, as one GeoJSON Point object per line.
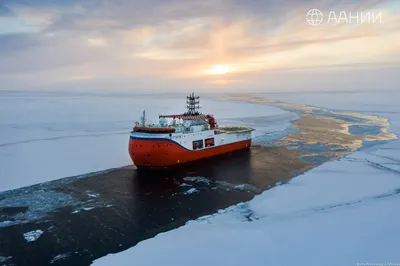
{"type": "Point", "coordinates": [97, 42]}
{"type": "Point", "coordinates": [176, 42]}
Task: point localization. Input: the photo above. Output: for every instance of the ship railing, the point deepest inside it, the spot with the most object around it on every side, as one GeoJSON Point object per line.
{"type": "Point", "coordinates": [153, 125]}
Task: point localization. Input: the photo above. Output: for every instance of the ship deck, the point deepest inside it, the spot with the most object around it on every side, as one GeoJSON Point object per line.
{"type": "Point", "coordinates": [233, 129]}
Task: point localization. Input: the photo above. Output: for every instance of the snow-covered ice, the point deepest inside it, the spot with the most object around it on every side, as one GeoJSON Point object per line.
{"type": "Point", "coordinates": [344, 207]}
{"type": "Point", "coordinates": [87, 208]}
{"type": "Point", "coordinates": [47, 136]}
{"type": "Point", "coordinates": [246, 187]}
{"type": "Point", "coordinates": [33, 235]}
{"type": "Point", "coordinates": [191, 191]}
{"type": "Point", "coordinates": [198, 179]}
{"type": "Point", "coordinates": [6, 223]}
{"type": "Point", "coordinates": [342, 213]}
{"type": "Point", "coordinates": [228, 186]}
{"type": "Point", "coordinates": [4, 259]}
{"type": "Point", "coordinates": [59, 257]}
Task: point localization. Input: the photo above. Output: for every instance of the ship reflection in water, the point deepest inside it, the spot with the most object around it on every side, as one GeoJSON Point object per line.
{"type": "Point", "coordinates": [117, 209]}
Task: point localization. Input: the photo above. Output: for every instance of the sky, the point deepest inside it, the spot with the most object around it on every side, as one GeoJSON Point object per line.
{"type": "Point", "coordinates": [203, 45]}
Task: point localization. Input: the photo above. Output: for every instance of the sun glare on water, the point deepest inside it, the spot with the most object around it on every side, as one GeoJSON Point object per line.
{"type": "Point", "coordinates": [219, 70]}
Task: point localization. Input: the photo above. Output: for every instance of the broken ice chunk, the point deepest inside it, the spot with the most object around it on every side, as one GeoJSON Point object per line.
{"type": "Point", "coordinates": [33, 235]}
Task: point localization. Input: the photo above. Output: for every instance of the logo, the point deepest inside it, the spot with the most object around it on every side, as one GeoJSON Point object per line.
{"type": "Point", "coordinates": [314, 17]}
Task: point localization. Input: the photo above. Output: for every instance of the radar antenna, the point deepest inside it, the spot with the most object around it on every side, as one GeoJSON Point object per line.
{"type": "Point", "coordinates": [193, 104]}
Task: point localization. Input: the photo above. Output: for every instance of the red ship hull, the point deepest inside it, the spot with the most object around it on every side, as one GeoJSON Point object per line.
{"type": "Point", "coordinates": [164, 154]}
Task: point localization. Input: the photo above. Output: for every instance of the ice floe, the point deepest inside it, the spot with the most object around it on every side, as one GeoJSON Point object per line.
{"type": "Point", "coordinates": [247, 187]}
{"type": "Point", "coordinates": [191, 191]}
{"type": "Point", "coordinates": [59, 257]}
{"type": "Point", "coordinates": [197, 179]}
{"type": "Point", "coordinates": [4, 259]}
{"type": "Point", "coordinates": [82, 209]}
{"type": "Point", "coordinates": [6, 223]}
{"type": "Point", "coordinates": [33, 235]}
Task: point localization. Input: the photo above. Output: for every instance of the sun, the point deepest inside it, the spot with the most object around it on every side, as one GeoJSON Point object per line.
{"type": "Point", "coordinates": [219, 70]}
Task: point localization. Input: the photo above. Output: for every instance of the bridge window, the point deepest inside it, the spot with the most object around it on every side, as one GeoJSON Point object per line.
{"type": "Point", "coordinates": [197, 144]}
{"type": "Point", "coordinates": [209, 142]}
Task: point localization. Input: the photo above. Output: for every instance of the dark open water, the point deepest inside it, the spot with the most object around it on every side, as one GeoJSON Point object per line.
{"type": "Point", "coordinates": [113, 211]}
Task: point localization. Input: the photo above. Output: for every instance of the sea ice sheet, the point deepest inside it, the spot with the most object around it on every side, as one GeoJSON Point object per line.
{"type": "Point", "coordinates": [54, 135]}
{"type": "Point", "coordinates": [345, 212]}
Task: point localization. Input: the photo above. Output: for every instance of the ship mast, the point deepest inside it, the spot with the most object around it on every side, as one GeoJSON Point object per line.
{"type": "Point", "coordinates": [143, 118]}
{"type": "Point", "coordinates": [193, 104]}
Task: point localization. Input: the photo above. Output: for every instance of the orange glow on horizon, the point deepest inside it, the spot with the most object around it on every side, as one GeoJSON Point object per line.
{"type": "Point", "coordinates": [219, 70]}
